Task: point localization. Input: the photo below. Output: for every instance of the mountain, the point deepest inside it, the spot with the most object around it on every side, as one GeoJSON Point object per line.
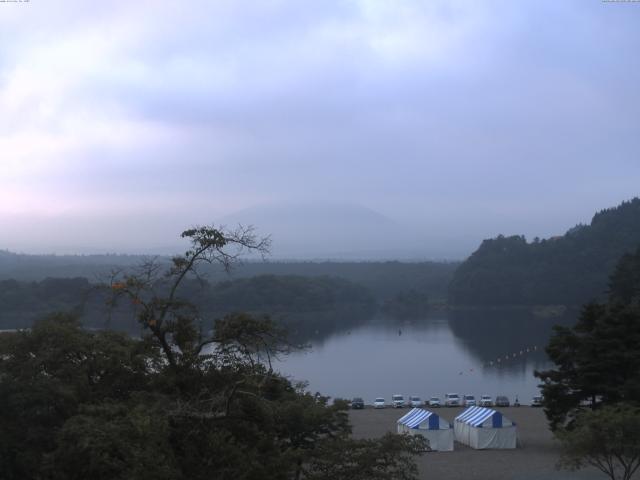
{"type": "Point", "coordinates": [570, 269]}
{"type": "Point", "coordinates": [331, 231]}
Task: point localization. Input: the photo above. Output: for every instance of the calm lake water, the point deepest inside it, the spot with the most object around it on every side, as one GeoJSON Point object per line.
{"type": "Point", "coordinates": [477, 353]}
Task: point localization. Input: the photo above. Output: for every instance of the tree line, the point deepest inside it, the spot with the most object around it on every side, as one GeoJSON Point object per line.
{"type": "Point", "coordinates": [305, 305]}
{"type": "Point", "coordinates": [382, 279]}
{"type": "Point", "coordinates": [568, 270]}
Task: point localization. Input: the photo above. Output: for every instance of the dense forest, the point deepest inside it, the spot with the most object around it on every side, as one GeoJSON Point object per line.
{"type": "Point", "coordinates": [598, 356]}
{"type": "Point", "coordinates": [408, 304]}
{"type": "Point", "coordinates": [24, 302]}
{"type": "Point", "coordinates": [383, 279]}
{"type": "Point", "coordinates": [178, 403]}
{"type": "Point", "coordinates": [304, 305]}
{"type": "Point", "coordinates": [567, 270]}
{"type": "Point", "coordinates": [309, 298]}
{"type": "Point", "coordinates": [288, 293]}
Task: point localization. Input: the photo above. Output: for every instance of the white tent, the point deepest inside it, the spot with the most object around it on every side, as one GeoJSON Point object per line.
{"type": "Point", "coordinates": [435, 429]}
{"type": "Point", "coordinates": [482, 428]}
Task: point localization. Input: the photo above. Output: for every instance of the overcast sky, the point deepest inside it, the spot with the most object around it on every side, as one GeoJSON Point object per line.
{"type": "Point", "coordinates": [122, 122]}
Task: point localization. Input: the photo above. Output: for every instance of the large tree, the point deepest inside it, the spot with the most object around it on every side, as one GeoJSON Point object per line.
{"type": "Point", "coordinates": [597, 362]}
{"type": "Point", "coordinates": [607, 439]}
{"type": "Point", "coordinates": [184, 402]}
{"type": "Point", "coordinates": [591, 397]}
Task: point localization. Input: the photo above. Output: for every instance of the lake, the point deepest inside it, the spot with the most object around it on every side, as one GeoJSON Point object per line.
{"type": "Point", "coordinates": [475, 352]}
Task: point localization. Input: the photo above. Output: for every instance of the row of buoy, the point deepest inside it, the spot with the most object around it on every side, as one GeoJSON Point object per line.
{"type": "Point", "coordinates": [505, 358]}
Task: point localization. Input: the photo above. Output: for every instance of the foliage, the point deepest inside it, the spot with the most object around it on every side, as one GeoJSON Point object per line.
{"type": "Point", "coordinates": [382, 279]}
{"type": "Point", "coordinates": [289, 293]}
{"type": "Point", "coordinates": [409, 304]}
{"type": "Point", "coordinates": [48, 373]}
{"type": "Point", "coordinates": [24, 301]}
{"type": "Point", "coordinates": [302, 304]}
{"type": "Point", "coordinates": [624, 285]}
{"type": "Point", "coordinates": [607, 439]}
{"type": "Point", "coordinates": [177, 404]}
{"type": "Point", "coordinates": [390, 456]}
{"type": "Point", "coordinates": [114, 440]}
{"type": "Point", "coordinates": [597, 360]}
{"type": "Point", "coordinates": [570, 270]}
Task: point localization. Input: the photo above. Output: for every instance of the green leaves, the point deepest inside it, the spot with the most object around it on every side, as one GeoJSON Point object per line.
{"type": "Point", "coordinates": [607, 439]}
{"type": "Point", "coordinates": [48, 373]}
{"type": "Point", "coordinates": [76, 404]}
{"type": "Point", "coordinates": [391, 456]}
{"type": "Point", "coordinates": [114, 441]}
{"type": "Point", "coordinates": [598, 360]}
{"type": "Point", "coordinates": [564, 270]}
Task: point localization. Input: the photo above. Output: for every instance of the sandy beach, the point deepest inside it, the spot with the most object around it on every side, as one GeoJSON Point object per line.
{"type": "Point", "coordinates": [534, 459]}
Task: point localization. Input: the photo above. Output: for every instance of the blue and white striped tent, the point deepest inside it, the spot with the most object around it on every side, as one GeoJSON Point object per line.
{"type": "Point", "coordinates": [426, 423]}
{"type": "Point", "coordinates": [481, 428]}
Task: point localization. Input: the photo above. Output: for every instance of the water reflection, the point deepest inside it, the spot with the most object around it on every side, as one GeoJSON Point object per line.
{"type": "Point", "coordinates": [449, 351]}
{"type": "Point", "coordinates": [506, 340]}
{"type": "Point", "coordinates": [352, 355]}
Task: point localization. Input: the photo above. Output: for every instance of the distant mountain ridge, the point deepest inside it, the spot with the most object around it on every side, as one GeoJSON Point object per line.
{"type": "Point", "coordinates": [332, 231]}
{"type": "Point", "coordinates": [570, 269]}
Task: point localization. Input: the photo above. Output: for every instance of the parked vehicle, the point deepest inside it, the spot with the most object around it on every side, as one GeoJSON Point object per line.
{"type": "Point", "coordinates": [379, 403]}
{"type": "Point", "coordinates": [415, 402]}
{"type": "Point", "coordinates": [357, 403]}
{"type": "Point", "coordinates": [502, 401]}
{"type": "Point", "coordinates": [434, 402]}
{"type": "Point", "coordinates": [469, 401]}
{"type": "Point", "coordinates": [536, 401]}
{"type": "Point", "coordinates": [397, 401]}
{"type": "Point", "coordinates": [486, 401]}
{"type": "Point", "coordinates": [451, 400]}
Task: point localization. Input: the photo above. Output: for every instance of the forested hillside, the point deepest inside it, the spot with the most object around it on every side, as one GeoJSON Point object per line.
{"type": "Point", "coordinates": [383, 279]}
{"type": "Point", "coordinates": [289, 293]}
{"type": "Point", "coordinates": [571, 269]}
{"type": "Point", "coordinates": [303, 304]}
{"type": "Point", "coordinates": [22, 303]}
{"type": "Point", "coordinates": [306, 306]}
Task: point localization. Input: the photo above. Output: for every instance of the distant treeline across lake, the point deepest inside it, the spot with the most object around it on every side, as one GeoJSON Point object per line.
{"type": "Point", "coordinates": [506, 271]}
{"type": "Point", "coordinates": [304, 304]}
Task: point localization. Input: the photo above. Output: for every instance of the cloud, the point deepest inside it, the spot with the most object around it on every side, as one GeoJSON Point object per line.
{"type": "Point", "coordinates": [437, 113]}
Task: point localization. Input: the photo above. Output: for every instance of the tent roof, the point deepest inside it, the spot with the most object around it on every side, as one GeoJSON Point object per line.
{"type": "Point", "coordinates": [476, 416]}
{"type": "Point", "coordinates": [415, 417]}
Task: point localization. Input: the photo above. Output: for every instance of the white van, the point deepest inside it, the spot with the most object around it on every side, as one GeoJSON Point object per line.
{"type": "Point", "coordinates": [397, 401]}
{"type": "Point", "coordinates": [451, 400]}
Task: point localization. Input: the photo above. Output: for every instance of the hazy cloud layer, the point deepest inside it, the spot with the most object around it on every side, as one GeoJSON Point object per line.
{"type": "Point", "coordinates": [120, 122]}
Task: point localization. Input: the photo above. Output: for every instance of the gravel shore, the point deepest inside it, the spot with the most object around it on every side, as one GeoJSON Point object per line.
{"type": "Point", "coordinates": [534, 459]}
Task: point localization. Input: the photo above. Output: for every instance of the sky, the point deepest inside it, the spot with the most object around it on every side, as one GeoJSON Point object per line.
{"type": "Point", "coordinates": [430, 124]}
